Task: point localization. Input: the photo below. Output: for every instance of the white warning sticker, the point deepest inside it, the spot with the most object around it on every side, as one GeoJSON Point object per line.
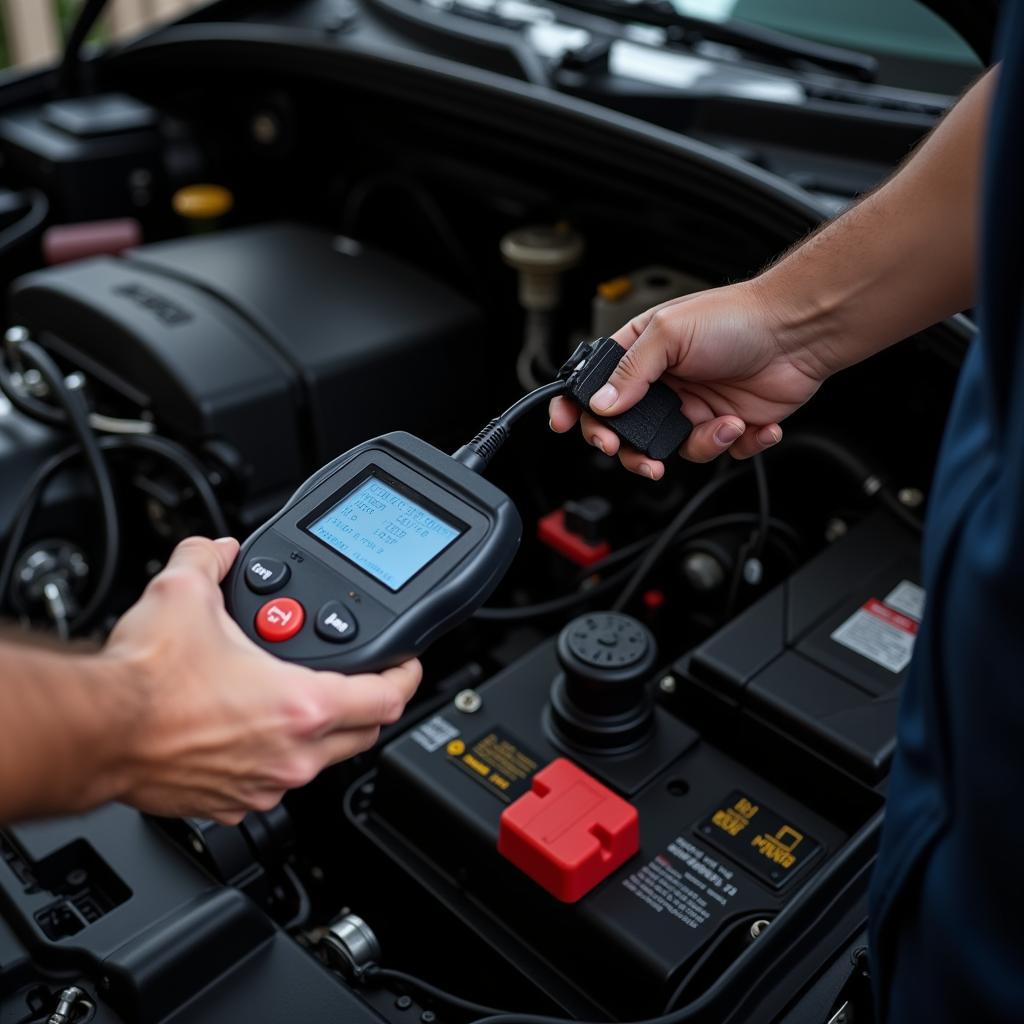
{"type": "Point", "coordinates": [434, 734]}
{"type": "Point", "coordinates": [908, 598]}
{"type": "Point", "coordinates": [880, 633]}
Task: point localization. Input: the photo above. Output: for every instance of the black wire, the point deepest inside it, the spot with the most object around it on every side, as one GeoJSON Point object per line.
{"type": "Point", "coordinates": [522, 406]}
{"type": "Point", "coordinates": [427, 989]}
{"type": "Point", "coordinates": [28, 223]}
{"type": "Point", "coordinates": [162, 447]}
{"type": "Point", "coordinates": [763, 503]}
{"type": "Point", "coordinates": [658, 548]}
{"type": "Point", "coordinates": [488, 442]}
{"type": "Point", "coordinates": [855, 467]}
{"type": "Point", "coordinates": [71, 63]}
{"type": "Point", "coordinates": [77, 412]}
{"type": "Point", "coordinates": [729, 519]}
{"type": "Point", "coordinates": [566, 602]}
{"type": "Point", "coordinates": [753, 547]}
{"type": "Point", "coordinates": [27, 404]}
{"type": "Point", "coordinates": [703, 960]}
{"type": "Point", "coordinates": [432, 211]}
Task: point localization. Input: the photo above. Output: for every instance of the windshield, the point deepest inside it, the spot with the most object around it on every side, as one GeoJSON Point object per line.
{"type": "Point", "coordinates": [915, 48]}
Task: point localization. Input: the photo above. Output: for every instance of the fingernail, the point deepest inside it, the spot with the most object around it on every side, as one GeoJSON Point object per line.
{"type": "Point", "coordinates": [727, 433]}
{"type": "Point", "coordinates": [769, 436]}
{"type": "Point", "coordinates": [598, 443]}
{"type": "Point", "coordinates": [224, 540]}
{"type": "Point", "coordinates": [605, 397]}
{"type": "Point", "coordinates": [551, 424]}
{"type": "Point", "coordinates": [647, 471]}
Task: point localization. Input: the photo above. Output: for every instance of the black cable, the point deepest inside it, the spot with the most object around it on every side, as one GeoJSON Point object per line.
{"type": "Point", "coordinates": [753, 547]}
{"type": "Point", "coordinates": [426, 988]}
{"type": "Point", "coordinates": [488, 442]}
{"type": "Point", "coordinates": [717, 522]}
{"type": "Point", "coordinates": [429, 207]}
{"type": "Point", "coordinates": [566, 602]}
{"type": "Point", "coordinates": [77, 412]}
{"type": "Point", "coordinates": [179, 457]}
{"type": "Point", "coordinates": [678, 521]}
{"type": "Point", "coordinates": [71, 63]}
{"type": "Point", "coordinates": [869, 482]}
{"type": "Point", "coordinates": [28, 223]}
{"type": "Point", "coordinates": [763, 503]}
{"type": "Point", "coordinates": [28, 405]}
{"type": "Point", "coordinates": [703, 960]}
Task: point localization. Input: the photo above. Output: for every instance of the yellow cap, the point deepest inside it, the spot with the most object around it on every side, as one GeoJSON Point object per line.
{"type": "Point", "coordinates": [615, 289]}
{"type": "Point", "coordinates": [202, 202]}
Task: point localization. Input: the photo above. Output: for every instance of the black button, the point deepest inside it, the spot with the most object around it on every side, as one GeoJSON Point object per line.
{"type": "Point", "coordinates": [336, 623]}
{"type": "Point", "coordinates": [265, 575]}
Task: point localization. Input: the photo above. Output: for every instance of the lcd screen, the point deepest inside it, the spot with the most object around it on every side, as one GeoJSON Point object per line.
{"type": "Point", "coordinates": [384, 532]}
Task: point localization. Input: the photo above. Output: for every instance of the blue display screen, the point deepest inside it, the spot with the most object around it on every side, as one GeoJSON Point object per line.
{"type": "Point", "coordinates": [384, 532]}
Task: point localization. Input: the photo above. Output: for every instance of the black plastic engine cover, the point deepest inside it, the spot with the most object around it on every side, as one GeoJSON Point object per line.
{"type": "Point", "coordinates": [279, 340]}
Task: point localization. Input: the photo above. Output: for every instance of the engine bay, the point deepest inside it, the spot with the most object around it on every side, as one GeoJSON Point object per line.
{"type": "Point", "coordinates": [647, 778]}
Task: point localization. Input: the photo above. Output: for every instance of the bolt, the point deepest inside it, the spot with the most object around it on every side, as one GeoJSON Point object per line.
{"type": "Point", "coordinates": [428, 1017]}
{"type": "Point", "coordinates": [468, 702]}
{"type": "Point", "coordinates": [703, 571]}
{"type": "Point", "coordinates": [911, 497]}
{"type": "Point", "coordinates": [403, 1002]}
{"type": "Point", "coordinates": [34, 383]}
{"type": "Point", "coordinates": [667, 684]}
{"type": "Point", "coordinates": [266, 129]}
{"type": "Point", "coordinates": [834, 529]}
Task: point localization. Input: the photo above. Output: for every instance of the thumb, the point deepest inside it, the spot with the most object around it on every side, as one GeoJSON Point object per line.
{"type": "Point", "coordinates": [212, 558]}
{"type": "Point", "coordinates": [640, 366]}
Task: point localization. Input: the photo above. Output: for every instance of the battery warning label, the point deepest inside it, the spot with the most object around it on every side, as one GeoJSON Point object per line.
{"type": "Point", "coordinates": [497, 761]}
{"type": "Point", "coordinates": [762, 841]}
{"type": "Point", "coordinates": [434, 734]}
{"type": "Point", "coordinates": [885, 631]}
{"type": "Point", "coordinates": [684, 882]}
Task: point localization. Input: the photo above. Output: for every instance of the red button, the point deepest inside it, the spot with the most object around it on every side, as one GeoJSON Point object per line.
{"type": "Point", "coordinates": [280, 619]}
{"type": "Point", "coordinates": [569, 832]}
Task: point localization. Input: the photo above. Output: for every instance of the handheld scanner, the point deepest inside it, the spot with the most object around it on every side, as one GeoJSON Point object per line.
{"type": "Point", "coordinates": [375, 556]}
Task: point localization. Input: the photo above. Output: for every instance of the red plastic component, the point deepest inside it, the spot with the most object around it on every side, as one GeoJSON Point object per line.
{"type": "Point", "coordinates": [569, 832]}
{"type": "Point", "coordinates": [551, 530]}
{"type": "Point", "coordinates": [280, 619]}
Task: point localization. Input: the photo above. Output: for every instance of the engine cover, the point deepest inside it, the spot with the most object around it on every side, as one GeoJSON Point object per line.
{"type": "Point", "coordinates": [279, 341]}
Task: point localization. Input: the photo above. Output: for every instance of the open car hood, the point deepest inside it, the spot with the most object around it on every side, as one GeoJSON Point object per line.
{"type": "Point", "coordinates": [974, 20]}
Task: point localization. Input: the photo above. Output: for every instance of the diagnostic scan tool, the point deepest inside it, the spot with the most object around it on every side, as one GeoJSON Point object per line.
{"type": "Point", "coordinates": [395, 542]}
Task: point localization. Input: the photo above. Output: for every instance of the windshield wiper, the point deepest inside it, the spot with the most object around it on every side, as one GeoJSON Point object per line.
{"type": "Point", "coordinates": [779, 47]}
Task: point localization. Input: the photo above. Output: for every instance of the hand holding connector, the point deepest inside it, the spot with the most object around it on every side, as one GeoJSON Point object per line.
{"type": "Point", "coordinates": [654, 426]}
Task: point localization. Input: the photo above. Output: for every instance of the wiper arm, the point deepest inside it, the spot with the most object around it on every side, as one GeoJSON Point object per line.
{"type": "Point", "coordinates": [781, 47]}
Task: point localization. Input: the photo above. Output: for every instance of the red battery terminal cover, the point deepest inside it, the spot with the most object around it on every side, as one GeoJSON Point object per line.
{"type": "Point", "coordinates": [569, 832]}
{"type": "Point", "coordinates": [552, 530]}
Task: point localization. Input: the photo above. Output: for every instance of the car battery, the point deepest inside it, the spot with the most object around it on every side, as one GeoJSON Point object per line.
{"type": "Point", "coordinates": [823, 656]}
{"type": "Point", "coordinates": [624, 855]}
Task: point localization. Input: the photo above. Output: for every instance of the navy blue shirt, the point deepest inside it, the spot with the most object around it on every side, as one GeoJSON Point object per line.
{"type": "Point", "coordinates": [948, 896]}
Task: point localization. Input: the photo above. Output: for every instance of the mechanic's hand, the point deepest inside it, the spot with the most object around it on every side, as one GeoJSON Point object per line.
{"type": "Point", "coordinates": [721, 350]}
{"type": "Point", "coordinates": [222, 727]}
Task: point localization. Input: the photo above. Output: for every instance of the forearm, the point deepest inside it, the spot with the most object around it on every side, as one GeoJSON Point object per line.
{"type": "Point", "coordinates": [900, 260]}
{"type": "Point", "coordinates": [63, 720]}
